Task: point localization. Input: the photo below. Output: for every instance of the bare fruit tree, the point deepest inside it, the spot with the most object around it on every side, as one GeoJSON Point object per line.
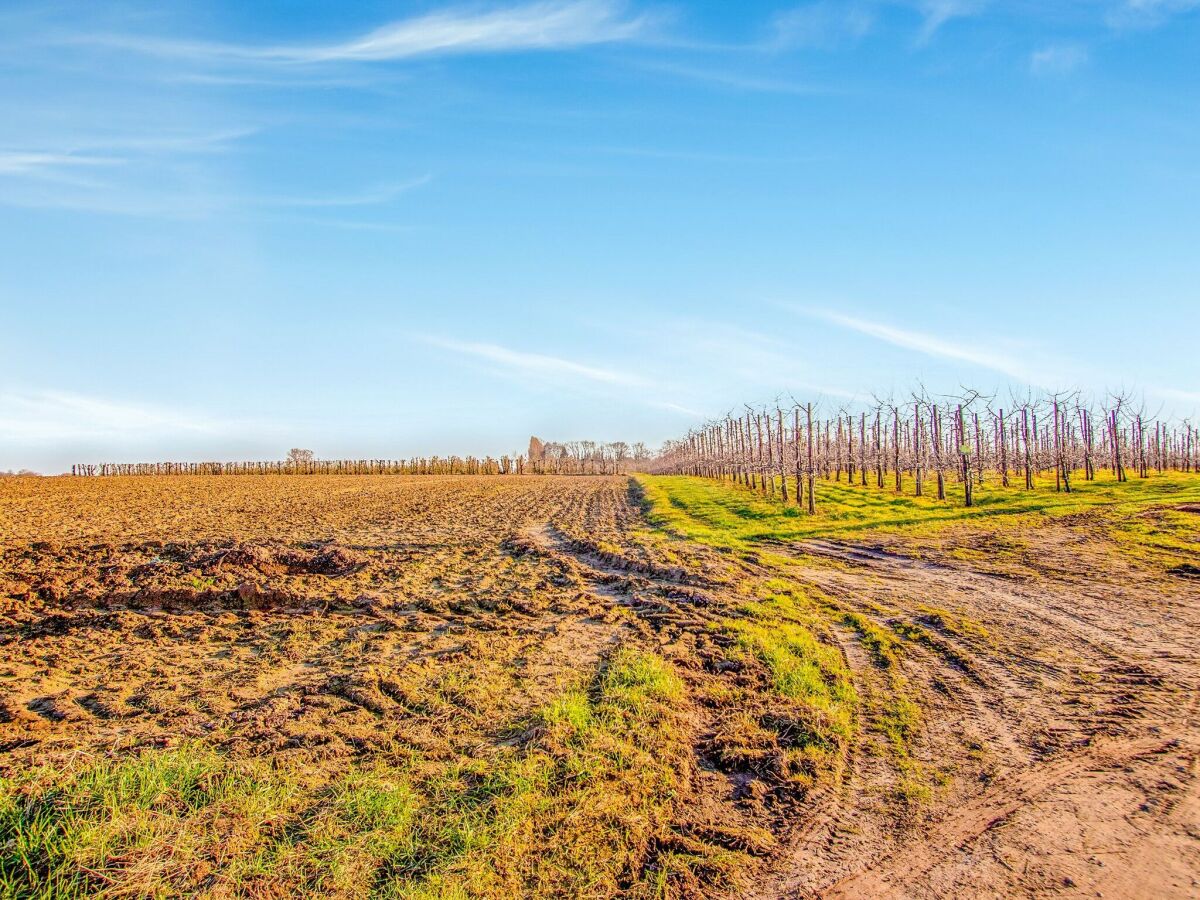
{"type": "Point", "coordinates": [300, 457]}
{"type": "Point", "coordinates": [961, 440]}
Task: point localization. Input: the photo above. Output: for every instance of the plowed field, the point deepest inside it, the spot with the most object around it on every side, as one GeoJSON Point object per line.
{"type": "Point", "coordinates": [592, 687]}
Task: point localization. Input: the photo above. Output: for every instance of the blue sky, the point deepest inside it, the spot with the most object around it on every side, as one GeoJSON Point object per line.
{"type": "Point", "coordinates": [382, 229]}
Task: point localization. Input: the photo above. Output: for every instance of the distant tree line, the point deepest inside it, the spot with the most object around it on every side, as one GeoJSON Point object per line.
{"type": "Point", "coordinates": [920, 443]}
{"type": "Point", "coordinates": [424, 465]}
{"type": "Point", "coordinates": [542, 458]}
{"type": "Point", "coordinates": [585, 457]}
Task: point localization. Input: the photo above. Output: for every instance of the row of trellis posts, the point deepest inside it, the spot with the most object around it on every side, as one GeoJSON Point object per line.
{"type": "Point", "coordinates": [782, 452]}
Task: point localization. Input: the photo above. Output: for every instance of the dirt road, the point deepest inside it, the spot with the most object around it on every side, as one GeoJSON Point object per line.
{"type": "Point", "coordinates": [1069, 733]}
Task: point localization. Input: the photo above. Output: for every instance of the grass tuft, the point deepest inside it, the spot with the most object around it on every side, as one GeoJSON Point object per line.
{"type": "Point", "coordinates": [162, 818]}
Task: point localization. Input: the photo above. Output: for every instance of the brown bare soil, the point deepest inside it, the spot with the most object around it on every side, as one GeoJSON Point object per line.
{"type": "Point", "coordinates": [285, 615]}
{"type": "Point", "coordinates": [321, 623]}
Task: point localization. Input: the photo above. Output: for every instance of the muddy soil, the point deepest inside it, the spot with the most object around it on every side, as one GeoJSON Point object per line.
{"type": "Point", "coordinates": [286, 617]}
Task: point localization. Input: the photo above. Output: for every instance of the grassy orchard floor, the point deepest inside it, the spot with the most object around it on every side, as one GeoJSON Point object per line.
{"type": "Point", "coordinates": [722, 514]}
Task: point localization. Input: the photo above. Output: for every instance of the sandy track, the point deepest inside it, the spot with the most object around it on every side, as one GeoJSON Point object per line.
{"type": "Point", "coordinates": [1072, 737]}
{"type": "Point", "coordinates": [907, 871]}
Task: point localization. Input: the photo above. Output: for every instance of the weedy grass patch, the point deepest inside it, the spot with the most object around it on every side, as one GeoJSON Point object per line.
{"type": "Point", "coordinates": [572, 811]}
{"type": "Point", "coordinates": [152, 823]}
{"type": "Point", "coordinates": [577, 807]}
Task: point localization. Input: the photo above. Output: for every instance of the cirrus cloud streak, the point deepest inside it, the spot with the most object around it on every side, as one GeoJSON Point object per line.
{"type": "Point", "coordinates": [544, 25]}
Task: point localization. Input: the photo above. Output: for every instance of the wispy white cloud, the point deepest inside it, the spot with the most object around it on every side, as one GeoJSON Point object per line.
{"type": "Point", "coordinates": [175, 198]}
{"type": "Point", "coordinates": [542, 25]}
{"type": "Point", "coordinates": [739, 361]}
{"type": "Point", "coordinates": [1057, 59]}
{"type": "Point", "coordinates": [15, 162]}
{"type": "Point", "coordinates": [700, 156]}
{"type": "Point", "coordinates": [138, 173]}
{"type": "Point", "coordinates": [342, 224]}
{"type": "Point", "coordinates": [566, 374]}
{"type": "Point", "coordinates": [150, 176]}
{"type": "Point", "coordinates": [184, 202]}
{"type": "Point", "coordinates": [368, 197]}
{"type": "Point", "coordinates": [285, 80]}
{"type": "Point", "coordinates": [94, 149]}
{"type": "Point", "coordinates": [737, 81]}
{"type": "Point", "coordinates": [937, 13]}
{"type": "Point", "coordinates": [537, 364]}
{"type": "Point", "coordinates": [1130, 14]}
{"type": "Point", "coordinates": [90, 151]}
{"type": "Point", "coordinates": [822, 24]}
{"type": "Point", "coordinates": [677, 408]}
{"type": "Point", "coordinates": [50, 416]}
{"type": "Point", "coordinates": [1021, 368]}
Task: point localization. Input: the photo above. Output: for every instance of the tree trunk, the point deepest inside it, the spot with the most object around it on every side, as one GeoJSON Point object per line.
{"type": "Point", "coordinates": [964, 453]}
{"type": "Point", "coordinates": [896, 448]}
{"type": "Point", "coordinates": [783, 493]}
{"type": "Point", "coordinates": [1003, 450]}
{"type": "Point", "coordinates": [812, 502]}
{"type": "Point", "coordinates": [796, 447]}
{"type": "Point", "coordinates": [917, 447]}
{"type": "Point", "coordinates": [935, 429]}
